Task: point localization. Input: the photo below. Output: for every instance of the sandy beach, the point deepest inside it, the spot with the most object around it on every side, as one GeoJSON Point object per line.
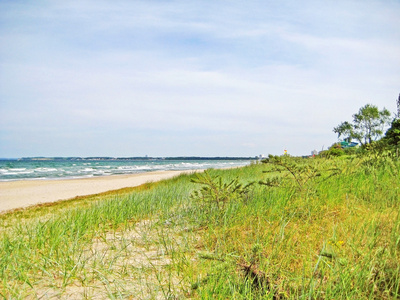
{"type": "Point", "coordinates": [19, 194]}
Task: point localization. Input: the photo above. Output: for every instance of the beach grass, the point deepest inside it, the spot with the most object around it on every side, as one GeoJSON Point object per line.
{"type": "Point", "coordinates": [289, 228]}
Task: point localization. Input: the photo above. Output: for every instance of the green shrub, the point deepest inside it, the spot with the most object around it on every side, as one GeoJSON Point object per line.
{"type": "Point", "coordinates": [336, 152]}
{"type": "Point", "coordinates": [215, 192]}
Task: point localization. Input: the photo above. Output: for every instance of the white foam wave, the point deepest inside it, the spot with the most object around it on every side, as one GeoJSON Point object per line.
{"type": "Point", "coordinates": [87, 170]}
{"type": "Point", "coordinates": [44, 170]}
{"type": "Point", "coordinates": [8, 173]}
{"type": "Point", "coordinates": [56, 170]}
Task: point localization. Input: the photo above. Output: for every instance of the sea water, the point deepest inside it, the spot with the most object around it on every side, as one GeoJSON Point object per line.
{"type": "Point", "coordinates": [11, 170]}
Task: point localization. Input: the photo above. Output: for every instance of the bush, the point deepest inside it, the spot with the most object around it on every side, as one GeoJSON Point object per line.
{"type": "Point", "coordinates": [392, 135]}
{"type": "Point", "coordinates": [351, 150]}
{"type": "Point", "coordinates": [335, 150]}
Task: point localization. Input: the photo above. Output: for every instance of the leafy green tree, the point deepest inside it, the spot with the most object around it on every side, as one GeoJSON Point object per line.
{"type": "Point", "coordinates": [367, 125]}
{"type": "Point", "coordinates": [392, 135]}
{"type": "Point", "coordinates": [345, 129]}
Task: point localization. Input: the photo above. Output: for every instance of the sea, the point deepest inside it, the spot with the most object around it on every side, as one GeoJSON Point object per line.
{"type": "Point", "coordinates": [53, 169]}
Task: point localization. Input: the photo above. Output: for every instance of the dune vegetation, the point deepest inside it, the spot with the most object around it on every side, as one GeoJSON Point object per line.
{"type": "Point", "coordinates": [284, 228]}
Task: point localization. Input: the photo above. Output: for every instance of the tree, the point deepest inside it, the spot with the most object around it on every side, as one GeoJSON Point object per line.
{"type": "Point", "coordinates": [367, 125]}
{"type": "Point", "coordinates": [393, 133]}
{"type": "Point", "coordinates": [398, 107]}
{"type": "Point", "coordinates": [344, 129]}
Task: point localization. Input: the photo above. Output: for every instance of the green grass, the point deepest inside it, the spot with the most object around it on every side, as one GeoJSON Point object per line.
{"type": "Point", "coordinates": [324, 229]}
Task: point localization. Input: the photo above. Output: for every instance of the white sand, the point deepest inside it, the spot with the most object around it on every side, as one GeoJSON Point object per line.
{"type": "Point", "coordinates": [18, 194]}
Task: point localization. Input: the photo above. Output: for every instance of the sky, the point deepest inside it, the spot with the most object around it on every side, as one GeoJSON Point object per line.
{"type": "Point", "coordinates": [191, 78]}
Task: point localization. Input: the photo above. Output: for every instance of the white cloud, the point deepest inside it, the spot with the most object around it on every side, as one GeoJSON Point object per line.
{"type": "Point", "coordinates": [209, 79]}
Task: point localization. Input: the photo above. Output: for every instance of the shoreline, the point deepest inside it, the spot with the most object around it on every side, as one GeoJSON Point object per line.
{"type": "Point", "coordinates": [24, 193]}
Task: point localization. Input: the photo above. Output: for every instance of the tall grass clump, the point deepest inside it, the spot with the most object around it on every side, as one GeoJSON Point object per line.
{"type": "Point", "coordinates": [319, 226]}
{"type": "Point", "coordinates": [287, 228]}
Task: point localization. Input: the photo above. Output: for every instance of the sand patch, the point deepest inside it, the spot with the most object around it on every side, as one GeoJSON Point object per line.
{"type": "Point", "coordinates": [137, 263]}
{"type": "Point", "coordinates": [24, 193]}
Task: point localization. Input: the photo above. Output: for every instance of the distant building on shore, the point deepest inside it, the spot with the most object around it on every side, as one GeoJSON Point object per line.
{"type": "Point", "coordinates": [346, 144]}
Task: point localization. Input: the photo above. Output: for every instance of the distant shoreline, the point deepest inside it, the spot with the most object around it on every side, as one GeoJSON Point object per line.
{"type": "Point", "coordinates": [41, 158]}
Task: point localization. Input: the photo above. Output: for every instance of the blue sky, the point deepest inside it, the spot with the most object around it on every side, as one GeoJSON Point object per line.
{"type": "Point", "coordinates": [203, 78]}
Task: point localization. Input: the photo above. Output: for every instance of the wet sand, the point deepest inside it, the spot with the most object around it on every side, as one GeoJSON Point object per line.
{"type": "Point", "coordinates": [19, 194]}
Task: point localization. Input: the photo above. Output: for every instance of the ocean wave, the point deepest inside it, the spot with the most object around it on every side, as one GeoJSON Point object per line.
{"type": "Point", "coordinates": [46, 170]}
{"type": "Point", "coordinates": [17, 169]}
{"type": "Point", "coordinates": [20, 170]}
{"type": "Point", "coordinates": [85, 170]}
